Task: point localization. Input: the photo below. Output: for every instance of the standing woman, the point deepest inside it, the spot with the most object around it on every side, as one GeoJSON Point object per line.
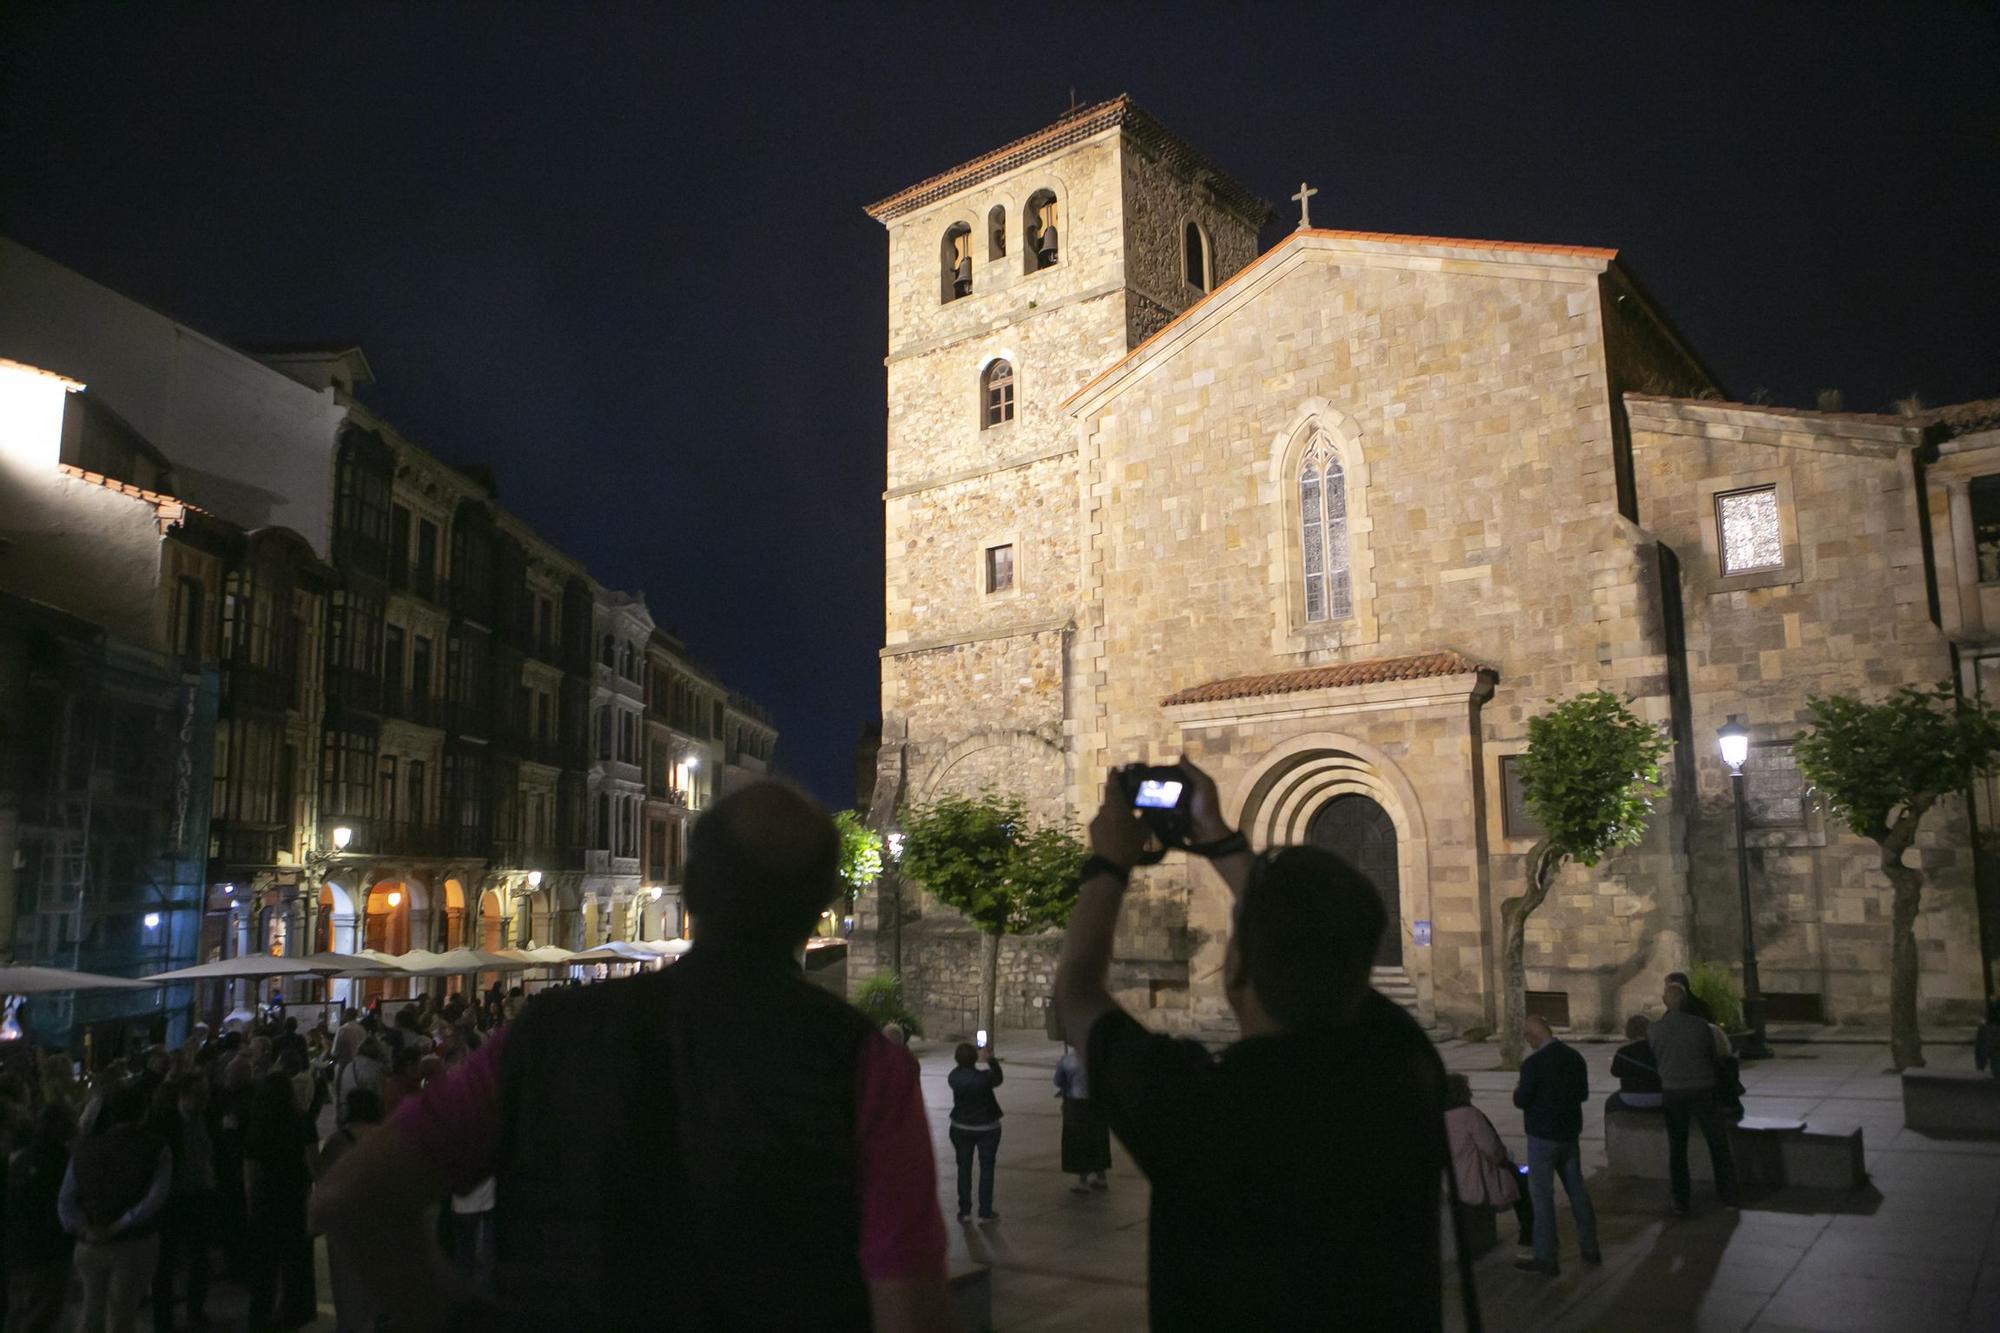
{"type": "Point", "coordinates": [1086, 1137]}
{"type": "Point", "coordinates": [975, 1126]}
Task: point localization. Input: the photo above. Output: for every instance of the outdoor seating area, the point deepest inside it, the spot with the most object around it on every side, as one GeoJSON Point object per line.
{"type": "Point", "coordinates": [1952, 1103]}
{"type": "Point", "coordinates": [1771, 1152]}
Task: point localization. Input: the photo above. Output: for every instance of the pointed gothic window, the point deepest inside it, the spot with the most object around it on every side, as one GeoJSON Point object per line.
{"type": "Point", "coordinates": [956, 262]}
{"type": "Point", "coordinates": [996, 232]}
{"type": "Point", "coordinates": [1038, 226]}
{"type": "Point", "coordinates": [1323, 533]}
{"type": "Point", "coordinates": [996, 396]}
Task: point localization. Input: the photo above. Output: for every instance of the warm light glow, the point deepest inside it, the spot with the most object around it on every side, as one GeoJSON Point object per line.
{"type": "Point", "coordinates": [657, 891]}
{"type": "Point", "coordinates": [534, 879]}
{"type": "Point", "coordinates": [395, 898]}
{"type": "Point", "coordinates": [341, 837]}
{"type": "Point", "coordinates": [152, 921]}
{"type": "Point", "coordinates": [31, 414]}
{"type": "Point", "coordinates": [1735, 743]}
{"type": "Point", "coordinates": [229, 888]}
{"type": "Point", "coordinates": [694, 762]}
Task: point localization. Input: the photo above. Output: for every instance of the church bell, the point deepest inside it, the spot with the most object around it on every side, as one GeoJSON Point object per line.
{"type": "Point", "coordinates": [1045, 244]}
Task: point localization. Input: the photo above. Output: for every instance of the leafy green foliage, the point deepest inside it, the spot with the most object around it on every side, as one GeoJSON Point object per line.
{"type": "Point", "coordinates": [860, 849]}
{"type": "Point", "coordinates": [1875, 764]}
{"type": "Point", "coordinates": [881, 998]}
{"type": "Point", "coordinates": [980, 855]}
{"type": "Point", "coordinates": [1714, 983]}
{"type": "Point", "coordinates": [1589, 773]}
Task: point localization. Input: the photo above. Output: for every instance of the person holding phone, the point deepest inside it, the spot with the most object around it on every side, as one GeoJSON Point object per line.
{"type": "Point", "coordinates": [975, 1125]}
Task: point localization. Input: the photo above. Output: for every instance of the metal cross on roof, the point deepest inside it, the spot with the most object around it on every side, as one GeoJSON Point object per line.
{"type": "Point", "coordinates": [1304, 196]}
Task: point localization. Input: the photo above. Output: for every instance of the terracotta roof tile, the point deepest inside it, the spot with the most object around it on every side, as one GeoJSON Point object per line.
{"type": "Point", "coordinates": [154, 498]}
{"type": "Point", "coordinates": [1335, 676]}
{"type": "Point", "coordinates": [1074, 127]}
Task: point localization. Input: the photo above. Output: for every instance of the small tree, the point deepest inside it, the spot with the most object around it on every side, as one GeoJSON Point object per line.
{"type": "Point", "coordinates": [1588, 775]}
{"type": "Point", "coordinates": [1881, 767]}
{"type": "Point", "coordinates": [860, 856]}
{"type": "Point", "coordinates": [981, 856]}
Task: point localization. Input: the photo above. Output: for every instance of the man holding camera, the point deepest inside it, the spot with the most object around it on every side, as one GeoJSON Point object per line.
{"type": "Point", "coordinates": [1297, 1175]}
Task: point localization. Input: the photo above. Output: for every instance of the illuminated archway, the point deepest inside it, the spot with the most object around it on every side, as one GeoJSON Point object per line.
{"type": "Point", "coordinates": [452, 932]}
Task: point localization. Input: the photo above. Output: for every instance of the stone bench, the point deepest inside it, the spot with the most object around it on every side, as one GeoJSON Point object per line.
{"type": "Point", "coordinates": [1951, 1104]}
{"type": "Point", "coordinates": [971, 1294]}
{"type": "Point", "coordinates": [1769, 1153]}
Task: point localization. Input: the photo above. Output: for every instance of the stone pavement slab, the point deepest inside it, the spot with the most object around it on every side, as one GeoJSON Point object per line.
{"type": "Point", "coordinates": [1918, 1248]}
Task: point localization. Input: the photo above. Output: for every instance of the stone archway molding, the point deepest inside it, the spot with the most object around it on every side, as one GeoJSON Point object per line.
{"type": "Point", "coordinates": [1032, 742]}
{"type": "Point", "coordinates": [1278, 795]}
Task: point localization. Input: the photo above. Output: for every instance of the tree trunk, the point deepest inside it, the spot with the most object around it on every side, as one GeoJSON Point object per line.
{"type": "Point", "coordinates": [1542, 864]}
{"type": "Point", "coordinates": [1906, 1046]}
{"type": "Point", "coordinates": [989, 982]}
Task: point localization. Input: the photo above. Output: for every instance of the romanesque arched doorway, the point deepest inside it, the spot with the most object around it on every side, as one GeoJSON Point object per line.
{"type": "Point", "coordinates": [1357, 829]}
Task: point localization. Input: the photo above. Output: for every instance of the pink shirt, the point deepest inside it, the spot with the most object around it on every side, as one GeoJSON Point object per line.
{"type": "Point", "coordinates": [455, 1122]}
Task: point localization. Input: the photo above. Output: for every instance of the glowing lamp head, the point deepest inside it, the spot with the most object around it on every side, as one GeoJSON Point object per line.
{"type": "Point", "coordinates": [395, 898]}
{"type": "Point", "coordinates": [152, 921]}
{"type": "Point", "coordinates": [694, 762]}
{"type": "Point", "coordinates": [656, 891]}
{"type": "Point", "coordinates": [1735, 743]}
{"type": "Point", "coordinates": [341, 837]}
{"type": "Point", "coordinates": [534, 879]}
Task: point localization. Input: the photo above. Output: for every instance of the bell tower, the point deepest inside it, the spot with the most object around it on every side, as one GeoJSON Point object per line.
{"type": "Point", "coordinates": [1015, 278]}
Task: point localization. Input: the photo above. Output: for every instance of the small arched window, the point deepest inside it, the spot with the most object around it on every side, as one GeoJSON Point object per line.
{"type": "Point", "coordinates": [1194, 256]}
{"type": "Point", "coordinates": [1038, 228]}
{"type": "Point", "coordinates": [996, 394]}
{"type": "Point", "coordinates": [955, 263]}
{"type": "Point", "coordinates": [610, 653]}
{"type": "Point", "coordinates": [996, 232]}
{"type": "Point", "coordinates": [1323, 533]}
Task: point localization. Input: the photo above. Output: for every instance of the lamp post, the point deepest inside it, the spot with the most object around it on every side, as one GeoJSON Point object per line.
{"type": "Point", "coordinates": [1734, 741]}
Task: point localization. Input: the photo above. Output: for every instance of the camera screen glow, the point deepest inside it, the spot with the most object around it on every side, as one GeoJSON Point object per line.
{"type": "Point", "coordinates": [1158, 795]}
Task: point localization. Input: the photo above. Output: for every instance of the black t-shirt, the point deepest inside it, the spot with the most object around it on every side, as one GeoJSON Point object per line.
{"type": "Point", "coordinates": [1297, 1178]}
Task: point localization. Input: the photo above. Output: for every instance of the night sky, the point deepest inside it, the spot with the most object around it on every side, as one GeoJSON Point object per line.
{"type": "Point", "coordinates": [618, 252]}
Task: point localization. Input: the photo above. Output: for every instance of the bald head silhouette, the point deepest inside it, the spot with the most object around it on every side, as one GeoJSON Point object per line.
{"type": "Point", "coordinates": [762, 864]}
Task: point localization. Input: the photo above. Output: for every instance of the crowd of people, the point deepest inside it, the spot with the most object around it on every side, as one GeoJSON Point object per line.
{"type": "Point", "coordinates": [136, 1181]}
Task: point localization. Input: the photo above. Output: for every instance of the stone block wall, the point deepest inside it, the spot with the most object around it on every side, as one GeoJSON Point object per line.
{"type": "Point", "coordinates": [1847, 612]}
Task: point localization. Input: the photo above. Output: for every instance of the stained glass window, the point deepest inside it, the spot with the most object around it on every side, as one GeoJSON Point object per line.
{"type": "Point", "coordinates": [1323, 534]}
{"type": "Point", "coordinates": [1750, 534]}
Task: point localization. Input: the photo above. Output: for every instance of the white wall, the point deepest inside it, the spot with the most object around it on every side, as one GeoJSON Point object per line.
{"type": "Point", "coordinates": [245, 441]}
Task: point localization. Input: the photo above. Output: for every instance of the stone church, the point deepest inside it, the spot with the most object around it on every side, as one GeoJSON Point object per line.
{"type": "Point", "coordinates": [1336, 519]}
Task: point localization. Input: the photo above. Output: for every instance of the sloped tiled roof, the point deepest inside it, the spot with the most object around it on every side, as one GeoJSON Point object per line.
{"type": "Point", "coordinates": [1965, 418]}
{"type": "Point", "coordinates": [1372, 672]}
{"type": "Point", "coordinates": [1074, 127]}
{"type": "Point", "coordinates": [171, 509]}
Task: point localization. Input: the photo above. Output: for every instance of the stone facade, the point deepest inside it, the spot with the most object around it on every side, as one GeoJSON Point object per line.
{"type": "Point", "coordinates": [1525, 519]}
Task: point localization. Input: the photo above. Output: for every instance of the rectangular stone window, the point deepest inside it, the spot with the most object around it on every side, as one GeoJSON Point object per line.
{"type": "Point", "coordinates": [1986, 526]}
{"type": "Point", "coordinates": [1551, 1006]}
{"type": "Point", "coordinates": [1748, 523]}
{"type": "Point", "coordinates": [1774, 789]}
{"type": "Point", "coordinates": [999, 568]}
{"type": "Point", "coordinates": [1516, 820]}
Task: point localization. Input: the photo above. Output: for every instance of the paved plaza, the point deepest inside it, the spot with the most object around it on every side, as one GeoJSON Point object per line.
{"type": "Point", "coordinates": [1918, 1249]}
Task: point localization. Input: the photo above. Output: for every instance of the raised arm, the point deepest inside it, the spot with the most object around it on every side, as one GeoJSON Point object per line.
{"type": "Point", "coordinates": [371, 1205]}
{"type": "Point", "coordinates": [1117, 840]}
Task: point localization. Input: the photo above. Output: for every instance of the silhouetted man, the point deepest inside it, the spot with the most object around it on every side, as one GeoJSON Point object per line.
{"type": "Point", "coordinates": [1688, 1051]}
{"type": "Point", "coordinates": [1555, 1083]}
{"type": "Point", "coordinates": [740, 1124]}
{"type": "Point", "coordinates": [1296, 1178]}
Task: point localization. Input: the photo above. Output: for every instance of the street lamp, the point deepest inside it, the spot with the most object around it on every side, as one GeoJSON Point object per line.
{"type": "Point", "coordinates": [1734, 741]}
{"type": "Point", "coordinates": [534, 879]}
{"type": "Point", "coordinates": [342, 835]}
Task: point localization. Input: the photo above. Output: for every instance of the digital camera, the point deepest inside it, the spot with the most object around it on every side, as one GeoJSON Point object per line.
{"type": "Point", "coordinates": [1161, 796]}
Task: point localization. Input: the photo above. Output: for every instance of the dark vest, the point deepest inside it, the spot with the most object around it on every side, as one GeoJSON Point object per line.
{"type": "Point", "coordinates": [113, 1172]}
{"type": "Point", "coordinates": [678, 1151]}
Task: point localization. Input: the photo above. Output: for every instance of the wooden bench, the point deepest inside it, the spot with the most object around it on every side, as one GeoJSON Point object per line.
{"type": "Point", "coordinates": [1769, 1153]}
{"type": "Point", "coordinates": [1948, 1104]}
{"type": "Point", "coordinates": [971, 1294]}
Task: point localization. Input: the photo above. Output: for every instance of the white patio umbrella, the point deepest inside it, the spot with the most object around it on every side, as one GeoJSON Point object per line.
{"type": "Point", "coordinates": [616, 951]}
{"type": "Point", "coordinates": [667, 948]}
{"type": "Point", "coordinates": [457, 961]}
{"type": "Point", "coordinates": [29, 980]}
{"type": "Point", "coordinates": [549, 955]}
{"type": "Point", "coordinates": [243, 967]}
